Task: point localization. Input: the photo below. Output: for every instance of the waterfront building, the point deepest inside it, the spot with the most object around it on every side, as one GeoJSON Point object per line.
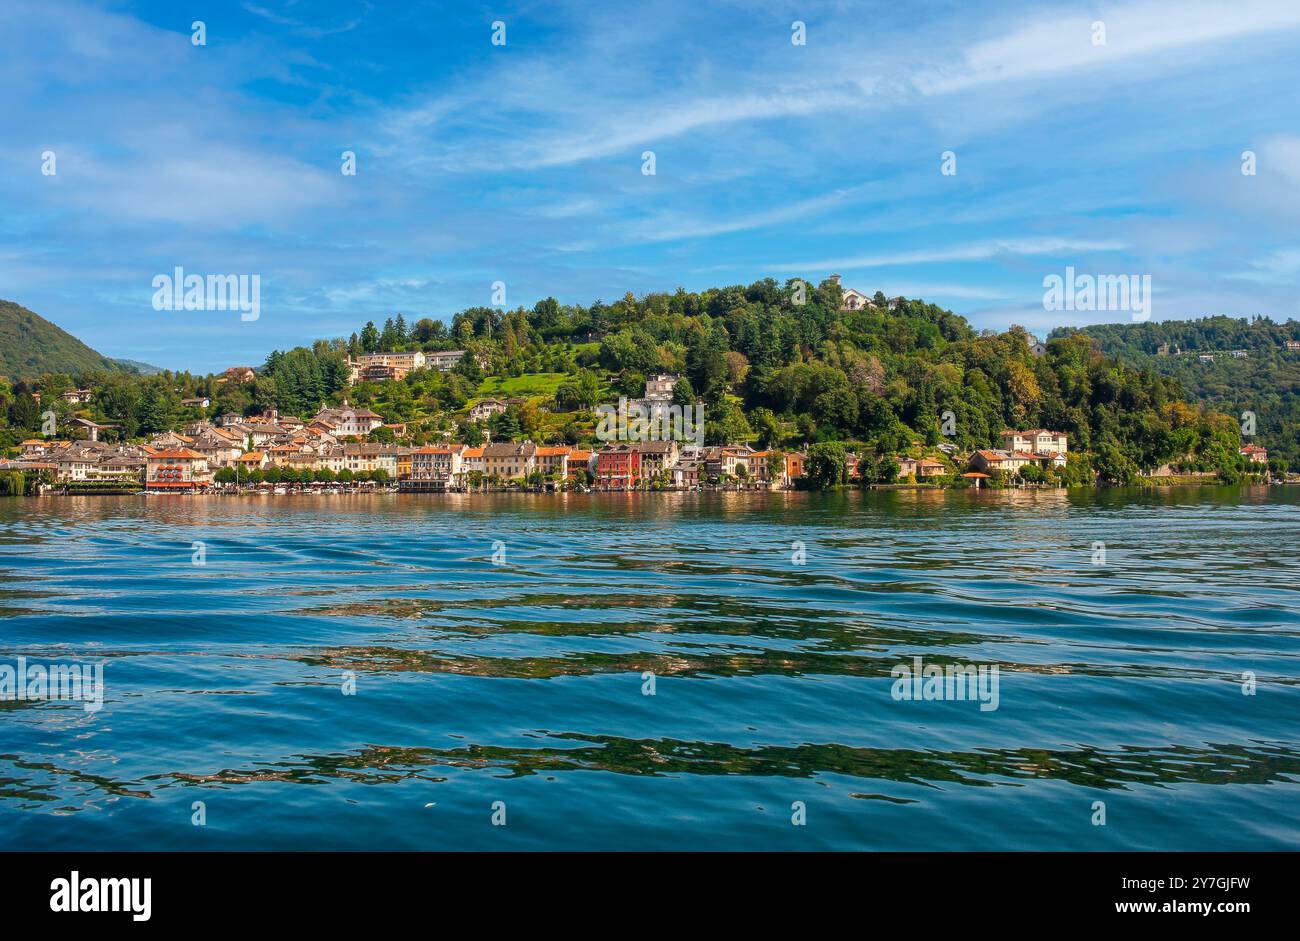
{"type": "Point", "coordinates": [686, 473]}
{"type": "Point", "coordinates": [553, 461]}
{"type": "Point", "coordinates": [363, 458]}
{"type": "Point", "coordinates": [618, 467]}
{"type": "Point", "coordinates": [728, 460]}
{"type": "Point", "coordinates": [179, 470]}
{"type": "Point", "coordinates": [794, 461]}
{"type": "Point", "coordinates": [510, 460]}
{"type": "Point", "coordinates": [580, 463]}
{"type": "Point", "coordinates": [920, 468]}
{"type": "Point", "coordinates": [440, 466]}
{"type": "Point", "coordinates": [1035, 441]}
{"type": "Point", "coordinates": [987, 461]}
{"type": "Point", "coordinates": [657, 456]}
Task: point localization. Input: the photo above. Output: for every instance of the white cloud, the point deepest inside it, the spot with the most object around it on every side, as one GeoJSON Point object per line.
{"type": "Point", "coordinates": [977, 251]}
{"type": "Point", "coordinates": [1281, 154]}
{"type": "Point", "coordinates": [666, 227]}
{"type": "Point", "coordinates": [1059, 45]}
{"type": "Point", "coordinates": [1277, 267]}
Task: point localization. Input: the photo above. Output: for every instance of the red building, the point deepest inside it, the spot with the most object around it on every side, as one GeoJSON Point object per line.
{"type": "Point", "coordinates": [618, 467]}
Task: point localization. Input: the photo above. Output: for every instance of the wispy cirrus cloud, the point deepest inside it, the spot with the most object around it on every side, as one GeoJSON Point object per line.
{"type": "Point", "coordinates": [979, 251]}
{"type": "Point", "coordinates": [1111, 36]}
{"type": "Point", "coordinates": [668, 227]}
{"type": "Point", "coordinates": [302, 27]}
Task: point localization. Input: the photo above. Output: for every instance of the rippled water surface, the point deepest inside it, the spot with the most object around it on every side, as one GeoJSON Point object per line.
{"type": "Point", "coordinates": [523, 682]}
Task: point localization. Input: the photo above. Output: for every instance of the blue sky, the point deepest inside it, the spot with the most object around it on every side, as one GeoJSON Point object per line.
{"type": "Point", "coordinates": [522, 163]}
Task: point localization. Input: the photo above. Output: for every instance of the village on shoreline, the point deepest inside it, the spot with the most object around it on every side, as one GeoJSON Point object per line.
{"type": "Point", "coordinates": [494, 414]}
{"type": "Point", "coordinates": [330, 453]}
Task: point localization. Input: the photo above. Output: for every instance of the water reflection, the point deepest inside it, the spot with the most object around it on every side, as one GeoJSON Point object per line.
{"type": "Point", "coordinates": [1126, 676]}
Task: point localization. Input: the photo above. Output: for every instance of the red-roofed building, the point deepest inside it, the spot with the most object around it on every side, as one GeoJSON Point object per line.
{"type": "Point", "coordinates": [578, 464]}
{"type": "Point", "coordinates": [1255, 454]}
{"type": "Point", "coordinates": [618, 467]}
{"type": "Point", "coordinates": [553, 461]}
{"type": "Point", "coordinates": [179, 469]}
{"type": "Point", "coordinates": [437, 467]}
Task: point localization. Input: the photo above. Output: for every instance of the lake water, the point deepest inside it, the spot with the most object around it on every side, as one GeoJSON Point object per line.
{"type": "Point", "coordinates": [379, 671]}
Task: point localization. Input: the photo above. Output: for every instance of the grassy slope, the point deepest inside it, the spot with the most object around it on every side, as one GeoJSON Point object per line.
{"type": "Point", "coordinates": [527, 386]}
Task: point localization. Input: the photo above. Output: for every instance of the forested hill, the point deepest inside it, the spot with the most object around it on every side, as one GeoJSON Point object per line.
{"type": "Point", "coordinates": [781, 367]}
{"type": "Point", "coordinates": [30, 345]}
{"type": "Point", "coordinates": [776, 365]}
{"type": "Point", "coordinates": [1252, 370]}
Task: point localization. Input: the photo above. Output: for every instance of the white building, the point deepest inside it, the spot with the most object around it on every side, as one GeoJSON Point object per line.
{"type": "Point", "coordinates": [1035, 441]}
{"type": "Point", "coordinates": [443, 360]}
{"type": "Point", "coordinates": [346, 421]}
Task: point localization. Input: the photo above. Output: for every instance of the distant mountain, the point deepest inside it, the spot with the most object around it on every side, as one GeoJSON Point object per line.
{"type": "Point", "coordinates": [30, 345]}
{"type": "Point", "coordinates": [134, 365]}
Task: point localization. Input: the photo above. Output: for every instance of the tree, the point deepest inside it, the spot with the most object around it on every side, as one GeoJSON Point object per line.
{"type": "Point", "coordinates": [683, 392]}
{"type": "Point", "coordinates": [706, 361]}
{"type": "Point", "coordinates": [825, 466]}
{"type": "Point", "coordinates": [1112, 466]}
{"type": "Point", "coordinates": [470, 433]}
{"type": "Point", "coordinates": [369, 338]}
{"type": "Point", "coordinates": [767, 426]}
{"type": "Point", "coordinates": [886, 469]}
{"type": "Point", "coordinates": [156, 411]}
{"type": "Point", "coordinates": [506, 425]}
{"type": "Point", "coordinates": [567, 397]}
{"type": "Point", "coordinates": [588, 387]}
{"type": "Point", "coordinates": [737, 369]}
{"type": "Point", "coordinates": [1033, 474]}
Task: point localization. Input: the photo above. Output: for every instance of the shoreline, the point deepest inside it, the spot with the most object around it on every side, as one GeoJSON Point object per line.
{"type": "Point", "coordinates": [1146, 484]}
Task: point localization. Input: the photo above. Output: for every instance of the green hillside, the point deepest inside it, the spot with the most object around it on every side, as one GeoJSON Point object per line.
{"type": "Point", "coordinates": [1263, 377]}
{"type": "Point", "coordinates": [782, 366]}
{"type": "Point", "coordinates": [30, 346]}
